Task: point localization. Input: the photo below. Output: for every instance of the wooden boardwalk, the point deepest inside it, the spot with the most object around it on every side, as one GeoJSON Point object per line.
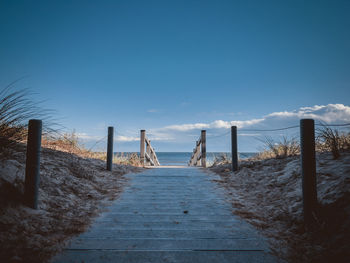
{"type": "Point", "coordinates": [169, 215]}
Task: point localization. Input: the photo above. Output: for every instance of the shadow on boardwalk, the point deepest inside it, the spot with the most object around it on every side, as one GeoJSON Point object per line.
{"type": "Point", "coordinates": [169, 214]}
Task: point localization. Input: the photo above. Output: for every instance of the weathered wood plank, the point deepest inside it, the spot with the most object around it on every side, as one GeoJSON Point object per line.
{"type": "Point", "coordinates": [203, 149]}
{"type": "Point", "coordinates": [169, 215]}
{"type": "Point", "coordinates": [142, 146]}
{"type": "Point", "coordinates": [148, 155]}
{"type": "Point", "coordinates": [148, 158]}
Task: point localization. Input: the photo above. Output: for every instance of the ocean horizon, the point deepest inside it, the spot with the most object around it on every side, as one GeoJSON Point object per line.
{"type": "Point", "coordinates": [182, 158]}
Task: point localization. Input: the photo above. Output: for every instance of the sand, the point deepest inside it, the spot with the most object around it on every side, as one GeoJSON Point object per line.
{"type": "Point", "coordinates": [73, 190]}
{"type": "Point", "coordinates": [268, 195]}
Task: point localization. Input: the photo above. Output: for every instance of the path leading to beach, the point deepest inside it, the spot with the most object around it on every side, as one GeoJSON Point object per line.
{"type": "Point", "coordinates": [169, 214]}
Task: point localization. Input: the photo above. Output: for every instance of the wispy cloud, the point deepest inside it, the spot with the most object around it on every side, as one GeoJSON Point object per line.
{"type": "Point", "coordinates": [186, 133]}
{"type": "Point", "coordinates": [331, 113]}
{"type": "Point", "coordinates": [126, 139]}
{"type": "Point", "coordinates": [249, 134]}
{"type": "Point", "coordinates": [218, 124]}
{"type": "Point", "coordinates": [152, 110]}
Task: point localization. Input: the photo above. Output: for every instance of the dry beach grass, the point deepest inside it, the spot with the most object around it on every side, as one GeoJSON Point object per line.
{"type": "Point", "coordinates": [73, 190]}
{"type": "Point", "coordinates": [267, 193]}
{"type": "Point", "coordinates": [74, 184]}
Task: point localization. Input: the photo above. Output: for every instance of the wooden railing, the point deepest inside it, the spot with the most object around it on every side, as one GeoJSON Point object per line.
{"type": "Point", "coordinates": [199, 154]}
{"type": "Point", "coordinates": [147, 154]}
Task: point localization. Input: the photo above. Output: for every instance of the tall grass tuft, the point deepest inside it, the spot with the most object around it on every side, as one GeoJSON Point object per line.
{"type": "Point", "coordinates": [66, 142]}
{"type": "Point", "coordinates": [332, 140]}
{"type": "Point", "coordinates": [127, 159]}
{"type": "Point", "coordinates": [119, 158]}
{"type": "Point", "coordinates": [16, 108]}
{"type": "Point", "coordinates": [221, 159]}
{"type": "Point", "coordinates": [279, 149]}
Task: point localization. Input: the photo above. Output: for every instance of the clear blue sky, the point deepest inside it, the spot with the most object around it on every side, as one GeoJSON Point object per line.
{"type": "Point", "coordinates": [151, 64]}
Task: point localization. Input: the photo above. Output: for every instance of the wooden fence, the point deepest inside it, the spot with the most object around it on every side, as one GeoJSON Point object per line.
{"type": "Point", "coordinates": [307, 160]}
{"type": "Point", "coordinates": [147, 154]}
{"type": "Point", "coordinates": [149, 157]}
{"type": "Point", "coordinates": [199, 154]}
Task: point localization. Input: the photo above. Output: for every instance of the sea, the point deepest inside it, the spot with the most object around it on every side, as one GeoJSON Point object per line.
{"type": "Point", "coordinates": [182, 158]}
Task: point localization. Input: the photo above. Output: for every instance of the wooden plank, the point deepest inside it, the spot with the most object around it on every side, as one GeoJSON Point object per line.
{"type": "Point", "coordinates": [198, 154]}
{"type": "Point", "coordinates": [157, 161]}
{"type": "Point", "coordinates": [193, 158]}
{"type": "Point", "coordinates": [107, 256]}
{"type": "Point", "coordinates": [152, 152]}
{"type": "Point", "coordinates": [147, 141]}
{"type": "Point", "coordinates": [195, 154]}
{"type": "Point", "coordinates": [154, 156]}
{"type": "Point", "coordinates": [203, 149]}
{"type": "Point", "coordinates": [149, 158]}
{"type": "Point", "coordinates": [148, 151]}
{"type": "Point", "coordinates": [148, 223]}
{"type": "Point", "coordinates": [198, 159]}
{"type": "Point", "coordinates": [142, 147]}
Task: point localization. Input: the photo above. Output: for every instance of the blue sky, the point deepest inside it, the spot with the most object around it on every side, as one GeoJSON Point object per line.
{"type": "Point", "coordinates": [155, 64]}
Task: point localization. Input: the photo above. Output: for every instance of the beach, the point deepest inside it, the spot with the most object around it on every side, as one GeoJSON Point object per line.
{"type": "Point", "coordinates": [268, 194]}
{"type": "Point", "coordinates": [73, 191]}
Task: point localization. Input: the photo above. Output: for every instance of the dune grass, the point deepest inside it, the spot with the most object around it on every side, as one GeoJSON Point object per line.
{"type": "Point", "coordinates": [70, 143]}
{"type": "Point", "coordinates": [16, 108]}
{"type": "Point", "coordinates": [279, 149]}
{"type": "Point", "coordinates": [74, 184]}
{"type": "Point", "coordinates": [119, 158]}
{"type": "Point", "coordinates": [266, 191]}
{"type": "Point", "coordinates": [327, 139]}
{"type": "Point", "coordinates": [332, 140]}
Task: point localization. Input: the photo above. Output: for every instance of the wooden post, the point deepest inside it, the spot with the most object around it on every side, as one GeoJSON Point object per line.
{"type": "Point", "coordinates": [234, 152]}
{"type": "Point", "coordinates": [193, 155]}
{"type": "Point", "coordinates": [32, 174]}
{"type": "Point", "coordinates": [198, 153]}
{"type": "Point", "coordinates": [308, 170]}
{"type": "Point", "coordinates": [142, 147]}
{"type": "Point", "coordinates": [151, 155]}
{"type": "Point", "coordinates": [204, 149]}
{"type": "Point", "coordinates": [110, 148]}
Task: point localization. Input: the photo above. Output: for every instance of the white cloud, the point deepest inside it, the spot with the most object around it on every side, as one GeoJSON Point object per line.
{"type": "Point", "coordinates": [152, 110]}
{"type": "Point", "coordinates": [186, 127]}
{"type": "Point", "coordinates": [331, 113]}
{"type": "Point", "coordinates": [86, 137]}
{"type": "Point", "coordinates": [249, 134]}
{"type": "Point", "coordinates": [160, 135]}
{"type": "Point", "coordinates": [218, 124]}
{"type": "Point", "coordinates": [186, 134]}
{"type": "Point", "coordinates": [126, 139]}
